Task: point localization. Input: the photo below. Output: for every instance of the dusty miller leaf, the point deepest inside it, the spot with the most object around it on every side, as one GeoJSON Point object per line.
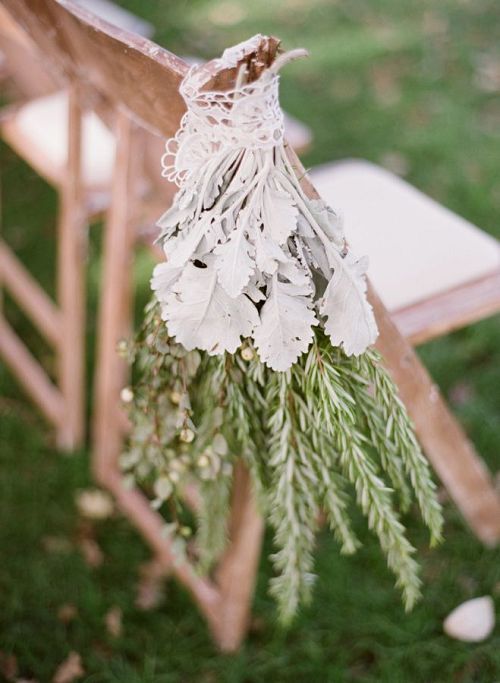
{"type": "Point", "coordinates": [164, 276]}
{"type": "Point", "coordinates": [180, 248]}
{"type": "Point", "coordinates": [330, 221]}
{"type": "Point", "coordinates": [350, 322]}
{"type": "Point", "coordinates": [201, 315]}
{"type": "Point", "coordinates": [234, 263]}
{"type": "Point", "coordinates": [285, 331]}
{"type": "Point", "coordinates": [279, 215]}
{"type": "Point", "coordinates": [267, 253]}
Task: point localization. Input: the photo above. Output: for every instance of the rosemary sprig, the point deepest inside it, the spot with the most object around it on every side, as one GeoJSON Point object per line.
{"type": "Point", "coordinates": [329, 425]}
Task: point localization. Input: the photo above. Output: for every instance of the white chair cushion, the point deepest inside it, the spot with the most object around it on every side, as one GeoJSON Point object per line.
{"type": "Point", "coordinates": [43, 122]}
{"type": "Point", "coordinates": [416, 247]}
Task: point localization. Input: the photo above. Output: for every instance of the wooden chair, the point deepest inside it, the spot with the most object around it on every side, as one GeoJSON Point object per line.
{"type": "Point", "coordinates": [74, 151]}
{"type": "Point", "coordinates": [140, 83]}
{"type": "Point", "coordinates": [39, 130]}
{"type": "Point", "coordinates": [22, 70]}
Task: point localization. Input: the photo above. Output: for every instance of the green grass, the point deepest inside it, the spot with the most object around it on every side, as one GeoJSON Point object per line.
{"type": "Point", "coordinates": [393, 82]}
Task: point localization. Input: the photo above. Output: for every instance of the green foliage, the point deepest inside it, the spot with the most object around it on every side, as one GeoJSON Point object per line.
{"type": "Point", "coordinates": [163, 453]}
{"type": "Point", "coordinates": [328, 426]}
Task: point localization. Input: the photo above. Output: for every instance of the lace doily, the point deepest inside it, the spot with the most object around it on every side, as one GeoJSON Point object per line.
{"type": "Point", "coordinates": [247, 118]}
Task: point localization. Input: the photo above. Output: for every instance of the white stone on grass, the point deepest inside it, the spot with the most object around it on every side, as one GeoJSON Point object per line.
{"type": "Point", "coordinates": [472, 621]}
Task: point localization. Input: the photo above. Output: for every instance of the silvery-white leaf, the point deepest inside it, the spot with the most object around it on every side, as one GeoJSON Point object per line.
{"type": "Point", "coordinates": [252, 290]}
{"type": "Point", "coordinates": [214, 233]}
{"type": "Point", "coordinates": [214, 173]}
{"type": "Point", "coordinates": [285, 331]}
{"type": "Point", "coordinates": [350, 322]}
{"type": "Point", "coordinates": [330, 221]}
{"type": "Point", "coordinates": [175, 216]}
{"type": "Point", "coordinates": [279, 214]}
{"type": "Point", "coordinates": [192, 153]}
{"type": "Point", "coordinates": [267, 253]}
{"type": "Point", "coordinates": [164, 276]}
{"type": "Point", "coordinates": [201, 315]}
{"type": "Point", "coordinates": [234, 264]}
{"type": "Point", "coordinates": [218, 170]}
{"type": "Point", "coordinates": [304, 228]}
{"type": "Point", "coordinates": [180, 248]}
{"type": "Point", "coordinates": [246, 170]}
{"type": "Point", "coordinates": [318, 257]}
{"type": "Point", "coordinates": [298, 276]}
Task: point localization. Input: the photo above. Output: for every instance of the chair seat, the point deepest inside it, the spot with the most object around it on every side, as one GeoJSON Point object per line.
{"type": "Point", "coordinates": [38, 131]}
{"type": "Point", "coordinates": [417, 248]}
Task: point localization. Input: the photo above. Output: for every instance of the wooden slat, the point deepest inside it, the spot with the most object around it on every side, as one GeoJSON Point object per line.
{"type": "Point", "coordinates": [136, 507]}
{"type": "Point", "coordinates": [80, 46]}
{"type": "Point", "coordinates": [237, 570]}
{"type": "Point", "coordinates": [24, 69]}
{"type": "Point", "coordinates": [71, 294]}
{"type": "Point", "coordinates": [30, 374]}
{"type": "Point", "coordinates": [115, 308]}
{"type": "Point", "coordinates": [444, 441]}
{"type": "Point", "coordinates": [29, 295]}
{"type": "Point", "coordinates": [449, 311]}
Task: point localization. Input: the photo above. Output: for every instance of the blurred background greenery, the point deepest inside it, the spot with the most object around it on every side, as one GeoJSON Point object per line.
{"type": "Point", "coordinates": [411, 85]}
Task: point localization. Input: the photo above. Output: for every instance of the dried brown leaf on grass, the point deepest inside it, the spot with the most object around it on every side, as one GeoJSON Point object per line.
{"type": "Point", "coordinates": [56, 545]}
{"type": "Point", "coordinates": [8, 666]}
{"type": "Point", "coordinates": [487, 76]}
{"type": "Point", "coordinates": [69, 670]}
{"type": "Point", "coordinates": [461, 393]}
{"type": "Point", "coordinates": [88, 545]}
{"type": "Point", "coordinates": [150, 587]}
{"type": "Point", "coordinates": [113, 621]}
{"type": "Point", "coordinates": [92, 553]}
{"type": "Point", "coordinates": [67, 612]}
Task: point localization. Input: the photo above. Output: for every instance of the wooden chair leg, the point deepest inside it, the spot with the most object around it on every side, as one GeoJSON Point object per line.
{"type": "Point", "coordinates": [444, 441]}
{"type": "Point", "coordinates": [135, 506]}
{"type": "Point", "coordinates": [114, 324]}
{"type": "Point", "coordinates": [237, 571]}
{"type": "Point", "coordinates": [114, 317]}
{"type": "Point", "coordinates": [71, 286]}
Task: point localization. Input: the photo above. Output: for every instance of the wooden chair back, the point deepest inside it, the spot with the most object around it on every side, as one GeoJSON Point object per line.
{"type": "Point", "coordinates": [22, 66]}
{"type": "Point", "coordinates": [123, 67]}
{"type": "Point", "coordinates": [126, 69]}
{"type": "Point", "coordinates": [115, 69]}
{"type": "Point", "coordinates": [137, 82]}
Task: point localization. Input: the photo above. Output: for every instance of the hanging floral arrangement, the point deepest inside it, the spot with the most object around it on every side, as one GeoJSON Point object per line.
{"type": "Point", "coordinates": [257, 345]}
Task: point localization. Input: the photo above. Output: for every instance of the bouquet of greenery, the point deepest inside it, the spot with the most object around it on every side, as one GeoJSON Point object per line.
{"type": "Point", "coordinates": [257, 346]}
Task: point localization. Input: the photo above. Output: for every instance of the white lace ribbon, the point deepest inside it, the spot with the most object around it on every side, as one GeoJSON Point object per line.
{"type": "Point", "coordinates": [247, 118]}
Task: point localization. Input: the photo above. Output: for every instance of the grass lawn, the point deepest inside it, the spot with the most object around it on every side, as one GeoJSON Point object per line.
{"type": "Point", "coordinates": [413, 85]}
